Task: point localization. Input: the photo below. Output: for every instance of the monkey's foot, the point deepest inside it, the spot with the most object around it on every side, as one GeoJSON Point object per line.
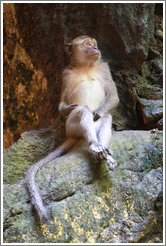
{"type": "Point", "coordinates": [107, 155]}
{"type": "Point", "coordinates": [99, 150]}
{"type": "Point", "coordinates": [104, 154]}
{"type": "Point", "coordinates": [111, 162]}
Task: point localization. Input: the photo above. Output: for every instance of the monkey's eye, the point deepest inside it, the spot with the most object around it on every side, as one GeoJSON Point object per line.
{"type": "Point", "coordinates": [88, 43]}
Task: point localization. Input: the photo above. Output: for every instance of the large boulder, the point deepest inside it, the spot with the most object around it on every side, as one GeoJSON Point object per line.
{"type": "Point", "coordinates": [87, 202]}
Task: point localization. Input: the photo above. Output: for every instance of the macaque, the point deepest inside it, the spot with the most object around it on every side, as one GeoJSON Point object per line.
{"type": "Point", "coordinates": [88, 93]}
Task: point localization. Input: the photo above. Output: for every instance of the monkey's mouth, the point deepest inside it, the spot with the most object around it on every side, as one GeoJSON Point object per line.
{"type": "Point", "coordinates": [94, 54]}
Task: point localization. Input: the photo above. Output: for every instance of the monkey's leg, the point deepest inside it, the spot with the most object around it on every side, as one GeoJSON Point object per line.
{"type": "Point", "coordinates": [104, 132]}
{"type": "Point", "coordinates": [80, 124]}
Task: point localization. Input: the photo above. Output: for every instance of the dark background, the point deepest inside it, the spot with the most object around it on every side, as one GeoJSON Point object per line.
{"type": "Point", "coordinates": [129, 36]}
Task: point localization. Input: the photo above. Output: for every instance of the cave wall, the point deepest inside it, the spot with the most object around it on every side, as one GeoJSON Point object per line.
{"type": "Point", "coordinates": [129, 36]}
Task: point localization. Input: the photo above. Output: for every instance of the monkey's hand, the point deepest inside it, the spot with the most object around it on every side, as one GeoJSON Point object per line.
{"type": "Point", "coordinates": [96, 116]}
{"type": "Point", "coordinates": [104, 154]}
{"type": "Point", "coordinates": [67, 109]}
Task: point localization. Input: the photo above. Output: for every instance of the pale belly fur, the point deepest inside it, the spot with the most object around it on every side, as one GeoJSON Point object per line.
{"type": "Point", "coordinates": [88, 93]}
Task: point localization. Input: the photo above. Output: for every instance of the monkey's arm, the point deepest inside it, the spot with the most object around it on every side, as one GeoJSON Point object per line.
{"type": "Point", "coordinates": [65, 108]}
{"type": "Point", "coordinates": [109, 103]}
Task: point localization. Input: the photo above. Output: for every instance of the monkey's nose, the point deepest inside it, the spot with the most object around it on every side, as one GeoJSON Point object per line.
{"type": "Point", "coordinates": [94, 47]}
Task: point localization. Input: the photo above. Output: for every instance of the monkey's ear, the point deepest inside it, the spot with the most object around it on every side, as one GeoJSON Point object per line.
{"type": "Point", "coordinates": [68, 49]}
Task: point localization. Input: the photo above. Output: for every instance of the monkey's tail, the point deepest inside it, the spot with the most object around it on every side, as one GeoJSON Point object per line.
{"type": "Point", "coordinates": [31, 173]}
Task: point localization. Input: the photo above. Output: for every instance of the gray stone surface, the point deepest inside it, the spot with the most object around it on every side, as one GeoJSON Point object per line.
{"type": "Point", "coordinates": [87, 202]}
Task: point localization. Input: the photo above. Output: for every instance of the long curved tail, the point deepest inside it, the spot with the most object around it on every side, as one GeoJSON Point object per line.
{"type": "Point", "coordinates": [36, 199]}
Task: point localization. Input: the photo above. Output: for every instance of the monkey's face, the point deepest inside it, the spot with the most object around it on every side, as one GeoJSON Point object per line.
{"type": "Point", "coordinates": [85, 51]}
{"type": "Point", "coordinates": [90, 49]}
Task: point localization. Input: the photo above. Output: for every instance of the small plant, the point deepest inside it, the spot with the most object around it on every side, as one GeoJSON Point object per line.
{"type": "Point", "coordinates": [153, 157]}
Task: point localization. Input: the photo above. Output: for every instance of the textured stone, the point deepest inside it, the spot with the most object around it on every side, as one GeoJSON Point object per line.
{"type": "Point", "coordinates": [152, 112]}
{"type": "Point", "coordinates": [89, 203]}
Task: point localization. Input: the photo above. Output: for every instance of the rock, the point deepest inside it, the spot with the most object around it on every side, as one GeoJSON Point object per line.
{"type": "Point", "coordinates": [39, 143]}
{"type": "Point", "coordinates": [161, 81]}
{"type": "Point", "coordinates": [153, 53]}
{"type": "Point", "coordinates": [159, 34]}
{"type": "Point", "coordinates": [152, 112]}
{"type": "Point", "coordinates": [33, 64]}
{"type": "Point", "coordinates": [157, 64]}
{"type": "Point", "coordinates": [156, 68]}
{"type": "Point", "coordinates": [159, 9]}
{"type": "Point", "coordinates": [159, 124]}
{"type": "Point", "coordinates": [150, 92]}
{"type": "Point", "coordinates": [88, 203]}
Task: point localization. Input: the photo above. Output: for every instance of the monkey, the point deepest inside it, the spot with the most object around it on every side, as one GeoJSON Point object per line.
{"type": "Point", "coordinates": [88, 92]}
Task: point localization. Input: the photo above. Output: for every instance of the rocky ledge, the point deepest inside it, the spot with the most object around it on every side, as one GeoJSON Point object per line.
{"type": "Point", "coordinates": [87, 202]}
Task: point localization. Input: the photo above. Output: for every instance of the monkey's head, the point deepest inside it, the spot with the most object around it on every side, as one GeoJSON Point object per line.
{"type": "Point", "coordinates": [83, 50]}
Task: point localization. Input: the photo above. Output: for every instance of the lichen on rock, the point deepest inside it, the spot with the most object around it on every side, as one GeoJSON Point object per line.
{"type": "Point", "coordinates": [87, 202]}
